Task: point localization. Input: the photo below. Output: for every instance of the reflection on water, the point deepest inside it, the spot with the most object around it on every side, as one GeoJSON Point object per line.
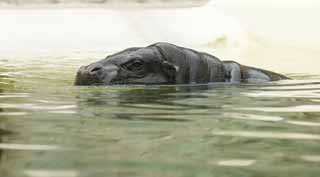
{"type": "Point", "coordinates": [50, 128]}
{"type": "Point", "coordinates": [55, 173]}
{"type": "Point", "coordinates": [272, 135]}
{"type": "Point", "coordinates": [236, 162]}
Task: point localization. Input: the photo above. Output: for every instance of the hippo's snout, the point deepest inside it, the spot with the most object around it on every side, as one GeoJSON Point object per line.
{"type": "Point", "coordinates": [96, 74]}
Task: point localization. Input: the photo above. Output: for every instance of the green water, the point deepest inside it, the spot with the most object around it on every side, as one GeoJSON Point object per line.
{"type": "Point", "coordinates": [50, 128]}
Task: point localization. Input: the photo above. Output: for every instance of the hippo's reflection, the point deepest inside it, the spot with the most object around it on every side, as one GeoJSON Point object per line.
{"type": "Point", "coordinates": [153, 103]}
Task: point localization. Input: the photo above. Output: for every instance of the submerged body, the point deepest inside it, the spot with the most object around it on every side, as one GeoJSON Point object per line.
{"type": "Point", "coordinates": [164, 63]}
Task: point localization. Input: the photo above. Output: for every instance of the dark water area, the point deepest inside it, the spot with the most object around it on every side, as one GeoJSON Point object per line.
{"type": "Point", "coordinates": [48, 127]}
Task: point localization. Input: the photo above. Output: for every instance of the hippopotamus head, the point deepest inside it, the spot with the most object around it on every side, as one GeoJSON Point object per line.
{"type": "Point", "coordinates": [131, 66]}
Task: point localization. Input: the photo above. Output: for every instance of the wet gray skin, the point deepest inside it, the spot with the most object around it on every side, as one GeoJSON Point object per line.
{"type": "Point", "coordinates": [164, 63]}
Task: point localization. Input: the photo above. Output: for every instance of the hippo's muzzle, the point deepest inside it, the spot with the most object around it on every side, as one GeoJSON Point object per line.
{"type": "Point", "coordinates": [96, 74]}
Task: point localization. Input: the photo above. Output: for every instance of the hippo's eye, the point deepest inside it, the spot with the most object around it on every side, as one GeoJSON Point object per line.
{"type": "Point", "coordinates": [135, 65]}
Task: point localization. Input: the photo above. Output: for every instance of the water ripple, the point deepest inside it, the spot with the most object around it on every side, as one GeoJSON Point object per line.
{"type": "Point", "coordinates": [37, 107]}
{"type": "Point", "coordinates": [236, 162]}
{"type": "Point", "coordinates": [252, 117]}
{"type": "Point", "coordinates": [267, 135]}
{"type": "Point", "coordinates": [13, 113]}
{"type": "Point", "coordinates": [302, 108]}
{"type": "Point", "coordinates": [52, 173]}
{"type": "Point", "coordinates": [311, 158]}
{"type": "Point", "coordinates": [304, 123]}
{"type": "Point", "coordinates": [14, 95]}
{"type": "Point", "coordinates": [284, 94]}
{"type": "Point", "coordinates": [63, 112]}
{"type": "Point", "coordinates": [30, 147]}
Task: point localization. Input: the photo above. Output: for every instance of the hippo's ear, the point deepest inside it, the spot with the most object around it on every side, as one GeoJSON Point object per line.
{"type": "Point", "coordinates": [170, 71]}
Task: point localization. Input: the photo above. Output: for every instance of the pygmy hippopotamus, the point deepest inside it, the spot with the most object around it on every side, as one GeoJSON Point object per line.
{"type": "Point", "coordinates": [164, 63]}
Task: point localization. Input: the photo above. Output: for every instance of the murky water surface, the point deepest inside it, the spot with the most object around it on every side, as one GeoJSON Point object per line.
{"type": "Point", "coordinates": [50, 128]}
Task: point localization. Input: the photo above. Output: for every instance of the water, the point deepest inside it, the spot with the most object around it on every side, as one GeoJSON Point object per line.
{"type": "Point", "coordinates": [50, 128]}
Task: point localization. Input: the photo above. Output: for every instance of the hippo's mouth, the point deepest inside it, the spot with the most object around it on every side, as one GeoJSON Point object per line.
{"type": "Point", "coordinates": [87, 80]}
{"type": "Point", "coordinates": [84, 78]}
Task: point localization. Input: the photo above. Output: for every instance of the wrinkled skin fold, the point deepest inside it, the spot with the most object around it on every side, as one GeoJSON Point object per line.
{"type": "Point", "coordinates": [164, 63]}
